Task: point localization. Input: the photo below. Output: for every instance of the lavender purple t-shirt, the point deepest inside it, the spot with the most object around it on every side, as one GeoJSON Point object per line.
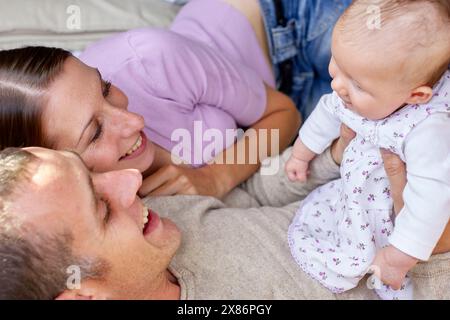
{"type": "Point", "coordinates": [207, 67]}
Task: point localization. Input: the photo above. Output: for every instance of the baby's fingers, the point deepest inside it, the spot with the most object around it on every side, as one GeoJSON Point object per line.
{"type": "Point", "coordinates": [291, 175]}
{"type": "Point", "coordinates": [302, 176]}
{"type": "Point", "coordinates": [296, 170]}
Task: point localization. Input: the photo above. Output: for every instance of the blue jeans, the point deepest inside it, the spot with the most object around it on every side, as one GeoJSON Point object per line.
{"type": "Point", "coordinates": [306, 39]}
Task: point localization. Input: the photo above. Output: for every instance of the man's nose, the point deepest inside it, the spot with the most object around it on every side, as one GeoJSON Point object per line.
{"type": "Point", "coordinates": [120, 187]}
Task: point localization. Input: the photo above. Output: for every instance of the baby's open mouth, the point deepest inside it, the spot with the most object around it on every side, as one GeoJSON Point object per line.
{"type": "Point", "coordinates": [347, 104]}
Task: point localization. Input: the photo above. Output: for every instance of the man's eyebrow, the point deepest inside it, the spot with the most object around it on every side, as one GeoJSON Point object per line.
{"type": "Point", "coordinates": [87, 176]}
{"type": "Point", "coordinates": [92, 118]}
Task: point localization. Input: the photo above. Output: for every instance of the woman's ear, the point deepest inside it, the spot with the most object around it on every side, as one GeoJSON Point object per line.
{"type": "Point", "coordinates": [420, 95]}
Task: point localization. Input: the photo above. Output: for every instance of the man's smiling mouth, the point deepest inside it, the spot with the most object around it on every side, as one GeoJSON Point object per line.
{"type": "Point", "coordinates": [145, 216]}
{"type": "Point", "coordinates": [150, 220]}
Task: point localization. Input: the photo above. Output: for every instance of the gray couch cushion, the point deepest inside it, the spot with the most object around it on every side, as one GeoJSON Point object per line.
{"type": "Point", "coordinates": [72, 24]}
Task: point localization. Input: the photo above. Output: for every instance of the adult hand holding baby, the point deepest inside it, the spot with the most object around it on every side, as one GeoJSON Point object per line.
{"type": "Point", "coordinates": [392, 263]}
{"type": "Point", "coordinates": [396, 171]}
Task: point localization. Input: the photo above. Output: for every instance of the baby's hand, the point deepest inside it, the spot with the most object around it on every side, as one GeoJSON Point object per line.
{"type": "Point", "coordinates": [297, 165]}
{"type": "Point", "coordinates": [296, 169]}
{"type": "Point", "coordinates": [391, 266]}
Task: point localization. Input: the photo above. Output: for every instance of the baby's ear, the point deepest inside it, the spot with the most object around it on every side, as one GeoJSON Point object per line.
{"type": "Point", "coordinates": [420, 95]}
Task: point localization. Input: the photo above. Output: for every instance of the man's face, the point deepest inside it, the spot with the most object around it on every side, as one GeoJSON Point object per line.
{"type": "Point", "coordinates": [107, 220]}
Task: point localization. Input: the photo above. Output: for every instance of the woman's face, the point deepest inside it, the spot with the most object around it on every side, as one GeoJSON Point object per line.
{"type": "Point", "coordinates": [86, 114]}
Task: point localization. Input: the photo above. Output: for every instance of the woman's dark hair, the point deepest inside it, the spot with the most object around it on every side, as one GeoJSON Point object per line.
{"type": "Point", "coordinates": [25, 74]}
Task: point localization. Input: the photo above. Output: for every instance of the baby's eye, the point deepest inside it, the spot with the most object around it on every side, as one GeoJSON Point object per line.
{"type": "Point", "coordinates": [358, 87]}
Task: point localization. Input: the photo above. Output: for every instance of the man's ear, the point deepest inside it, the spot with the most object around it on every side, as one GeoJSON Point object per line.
{"type": "Point", "coordinates": [420, 95]}
{"type": "Point", "coordinates": [72, 295]}
{"type": "Point", "coordinates": [88, 291]}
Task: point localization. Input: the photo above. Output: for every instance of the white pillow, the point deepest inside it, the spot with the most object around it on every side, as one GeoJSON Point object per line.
{"type": "Point", "coordinates": [72, 24]}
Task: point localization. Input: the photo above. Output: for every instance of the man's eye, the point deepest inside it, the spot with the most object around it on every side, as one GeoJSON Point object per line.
{"type": "Point", "coordinates": [108, 210]}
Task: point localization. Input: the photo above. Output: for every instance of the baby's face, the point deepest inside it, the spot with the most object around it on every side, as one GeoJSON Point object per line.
{"type": "Point", "coordinates": [366, 83]}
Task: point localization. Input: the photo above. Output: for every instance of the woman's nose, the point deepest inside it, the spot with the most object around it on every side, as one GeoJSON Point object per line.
{"type": "Point", "coordinates": [120, 187]}
{"type": "Point", "coordinates": [127, 123]}
{"type": "Point", "coordinates": [118, 98]}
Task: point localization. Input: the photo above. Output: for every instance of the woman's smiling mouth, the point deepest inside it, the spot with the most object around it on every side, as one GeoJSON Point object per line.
{"type": "Point", "coordinates": [137, 149]}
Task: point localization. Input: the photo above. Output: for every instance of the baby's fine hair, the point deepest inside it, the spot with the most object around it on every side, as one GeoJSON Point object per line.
{"type": "Point", "coordinates": [419, 27]}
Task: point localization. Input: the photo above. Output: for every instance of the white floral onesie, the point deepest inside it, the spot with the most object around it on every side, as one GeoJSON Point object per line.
{"type": "Point", "coordinates": [340, 226]}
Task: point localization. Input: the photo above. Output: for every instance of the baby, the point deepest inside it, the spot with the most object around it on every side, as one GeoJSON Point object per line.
{"type": "Point", "coordinates": [391, 85]}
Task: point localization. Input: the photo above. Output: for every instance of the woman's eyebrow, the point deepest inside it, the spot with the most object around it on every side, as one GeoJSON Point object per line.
{"type": "Point", "coordinates": [92, 118]}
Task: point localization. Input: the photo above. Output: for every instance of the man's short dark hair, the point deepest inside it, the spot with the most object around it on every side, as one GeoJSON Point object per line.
{"type": "Point", "coordinates": [32, 267]}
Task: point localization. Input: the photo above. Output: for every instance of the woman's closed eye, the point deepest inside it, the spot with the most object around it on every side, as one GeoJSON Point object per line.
{"type": "Point", "coordinates": [106, 89]}
{"type": "Point", "coordinates": [98, 132]}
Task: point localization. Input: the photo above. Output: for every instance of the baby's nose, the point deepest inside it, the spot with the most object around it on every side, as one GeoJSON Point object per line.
{"type": "Point", "coordinates": [339, 88]}
{"type": "Point", "coordinates": [343, 93]}
{"type": "Point", "coordinates": [335, 85]}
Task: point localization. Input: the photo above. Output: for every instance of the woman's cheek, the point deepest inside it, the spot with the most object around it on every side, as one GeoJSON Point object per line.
{"type": "Point", "coordinates": [110, 159]}
{"type": "Point", "coordinates": [102, 160]}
